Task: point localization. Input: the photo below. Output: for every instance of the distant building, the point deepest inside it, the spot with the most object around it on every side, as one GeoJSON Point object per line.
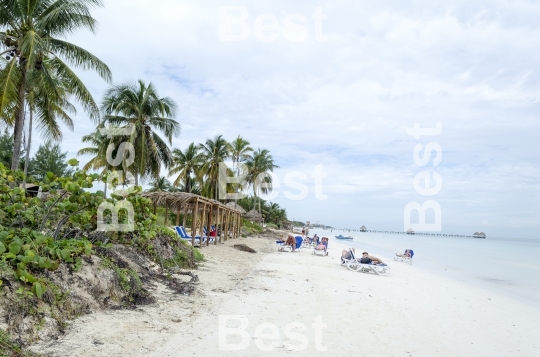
{"type": "Point", "coordinates": [363, 229]}
{"type": "Point", "coordinates": [410, 231]}
{"type": "Point", "coordinates": [479, 235]}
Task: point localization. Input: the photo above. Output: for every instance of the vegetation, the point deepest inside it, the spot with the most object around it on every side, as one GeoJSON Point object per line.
{"type": "Point", "coordinates": [35, 74]}
{"type": "Point", "coordinates": [49, 158]}
{"type": "Point", "coordinates": [39, 89]}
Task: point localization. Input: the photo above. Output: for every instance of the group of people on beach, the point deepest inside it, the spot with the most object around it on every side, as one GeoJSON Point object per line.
{"type": "Point", "coordinates": [315, 241]}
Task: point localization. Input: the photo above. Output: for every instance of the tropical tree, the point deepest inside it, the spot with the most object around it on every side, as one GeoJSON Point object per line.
{"type": "Point", "coordinates": [239, 150]}
{"type": "Point", "coordinates": [98, 149]}
{"type": "Point", "coordinates": [6, 149]}
{"type": "Point", "coordinates": [138, 107]}
{"type": "Point", "coordinates": [36, 59]}
{"type": "Point", "coordinates": [259, 167]}
{"type": "Point", "coordinates": [49, 158]}
{"type": "Point", "coordinates": [160, 184]}
{"type": "Point", "coordinates": [214, 152]}
{"type": "Point", "coordinates": [186, 164]}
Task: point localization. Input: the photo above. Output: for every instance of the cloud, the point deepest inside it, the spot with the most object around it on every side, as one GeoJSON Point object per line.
{"type": "Point", "coordinates": [345, 103]}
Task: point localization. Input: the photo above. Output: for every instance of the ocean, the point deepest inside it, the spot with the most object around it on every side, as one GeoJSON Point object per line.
{"type": "Point", "coordinates": [506, 265]}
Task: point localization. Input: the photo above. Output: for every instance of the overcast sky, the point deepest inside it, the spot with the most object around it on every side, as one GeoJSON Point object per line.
{"type": "Point", "coordinates": [342, 92]}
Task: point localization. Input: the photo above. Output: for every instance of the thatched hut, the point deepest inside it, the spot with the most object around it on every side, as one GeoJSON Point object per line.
{"type": "Point", "coordinates": [254, 217]}
{"type": "Point", "coordinates": [363, 229]}
{"type": "Point", "coordinates": [203, 211]}
{"type": "Point", "coordinates": [410, 231]}
{"type": "Point", "coordinates": [236, 206]}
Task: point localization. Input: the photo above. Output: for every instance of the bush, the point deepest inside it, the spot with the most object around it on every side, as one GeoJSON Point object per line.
{"type": "Point", "coordinates": [251, 227]}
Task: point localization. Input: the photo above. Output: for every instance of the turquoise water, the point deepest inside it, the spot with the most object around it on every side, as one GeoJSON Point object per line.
{"type": "Point", "coordinates": [505, 265]}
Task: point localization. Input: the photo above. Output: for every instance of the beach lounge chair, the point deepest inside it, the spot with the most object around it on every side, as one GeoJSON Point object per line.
{"type": "Point", "coordinates": [181, 231]}
{"type": "Point", "coordinates": [405, 258]}
{"type": "Point", "coordinates": [379, 269]}
{"type": "Point", "coordinates": [287, 248]}
{"type": "Point", "coordinates": [212, 236]}
{"type": "Point", "coordinates": [345, 261]}
{"type": "Point", "coordinates": [321, 251]}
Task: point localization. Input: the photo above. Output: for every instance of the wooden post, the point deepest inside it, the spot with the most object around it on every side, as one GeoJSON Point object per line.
{"type": "Point", "coordinates": [166, 213]}
{"type": "Point", "coordinates": [239, 226]}
{"type": "Point", "coordinates": [223, 221]}
{"type": "Point", "coordinates": [217, 226]}
{"type": "Point", "coordinates": [235, 234]}
{"type": "Point", "coordinates": [194, 221]}
{"type": "Point", "coordinates": [184, 219]}
{"type": "Point", "coordinates": [227, 224]}
{"type": "Point", "coordinates": [209, 226]}
{"type": "Point", "coordinates": [154, 208]}
{"type": "Point", "coordinates": [177, 218]}
{"type": "Point", "coordinates": [202, 223]}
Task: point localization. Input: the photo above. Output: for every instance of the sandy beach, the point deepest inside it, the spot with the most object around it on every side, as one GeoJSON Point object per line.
{"type": "Point", "coordinates": [410, 312]}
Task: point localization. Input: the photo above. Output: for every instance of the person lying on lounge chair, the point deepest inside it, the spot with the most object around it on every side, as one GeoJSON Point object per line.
{"type": "Point", "coordinates": [368, 259]}
{"type": "Point", "coordinates": [407, 254]}
{"type": "Point", "coordinates": [323, 245]}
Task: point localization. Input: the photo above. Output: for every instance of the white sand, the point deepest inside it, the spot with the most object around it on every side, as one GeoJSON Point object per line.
{"type": "Point", "coordinates": [410, 312]}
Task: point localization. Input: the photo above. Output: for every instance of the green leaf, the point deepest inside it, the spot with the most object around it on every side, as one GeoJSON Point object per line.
{"type": "Point", "coordinates": [38, 289]}
{"type": "Point", "coordinates": [2, 248]}
{"type": "Point", "coordinates": [73, 162]}
{"type": "Point", "coordinates": [14, 247]}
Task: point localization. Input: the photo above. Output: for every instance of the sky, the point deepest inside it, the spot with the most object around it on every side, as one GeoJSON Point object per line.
{"type": "Point", "coordinates": [339, 89]}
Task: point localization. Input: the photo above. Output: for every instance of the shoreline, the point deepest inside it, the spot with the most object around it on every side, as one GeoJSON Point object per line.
{"type": "Point", "coordinates": [410, 312]}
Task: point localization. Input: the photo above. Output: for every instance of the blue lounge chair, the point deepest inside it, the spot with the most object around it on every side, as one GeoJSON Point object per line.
{"type": "Point", "coordinates": [404, 257]}
{"type": "Point", "coordinates": [284, 248]}
{"type": "Point", "coordinates": [210, 237]}
{"type": "Point", "coordinates": [181, 231]}
{"type": "Point", "coordinates": [321, 251]}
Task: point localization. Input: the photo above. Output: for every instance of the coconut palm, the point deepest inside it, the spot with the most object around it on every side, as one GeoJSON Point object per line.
{"type": "Point", "coordinates": [239, 150]}
{"type": "Point", "coordinates": [139, 107]}
{"type": "Point", "coordinates": [213, 152]}
{"type": "Point", "coordinates": [259, 167]}
{"type": "Point", "coordinates": [186, 164]}
{"type": "Point", "coordinates": [30, 33]}
{"type": "Point", "coordinates": [160, 184]}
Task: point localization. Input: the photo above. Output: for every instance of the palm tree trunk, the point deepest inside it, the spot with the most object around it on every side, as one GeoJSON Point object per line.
{"type": "Point", "coordinates": [19, 123]}
{"type": "Point", "coordinates": [27, 158]}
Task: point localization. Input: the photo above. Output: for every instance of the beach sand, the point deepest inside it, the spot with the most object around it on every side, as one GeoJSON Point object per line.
{"type": "Point", "coordinates": [410, 312]}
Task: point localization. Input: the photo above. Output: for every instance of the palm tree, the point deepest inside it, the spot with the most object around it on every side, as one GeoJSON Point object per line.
{"type": "Point", "coordinates": [185, 164]}
{"type": "Point", "coordinates": [160, 184]}
{"type": "Point", "coordinates": [214, 152]}
{"type": "Point", "coordinates": [239, 150]}
{"type": "Point", "coordinates": [30, 36]}
{"type": "Point", "coordinates": [98, 149]}
{"type": "Point", "coordinates": [138, 106]}
{"type": "Point", "coordinates": [259, 167]}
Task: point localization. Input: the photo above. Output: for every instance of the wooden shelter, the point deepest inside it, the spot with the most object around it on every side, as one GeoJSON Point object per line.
{"type": "Point", "coordinates": [254, 217]}
{"type": "Point", "coordinates": [363, 229]}
{"type": "Point", "coordinates": [236, 206]}
{"type": "Point", "coordinates": [203, 212]}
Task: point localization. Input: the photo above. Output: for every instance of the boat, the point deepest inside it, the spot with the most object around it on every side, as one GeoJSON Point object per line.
{"type": "Point", "coordinates": [343, 237]}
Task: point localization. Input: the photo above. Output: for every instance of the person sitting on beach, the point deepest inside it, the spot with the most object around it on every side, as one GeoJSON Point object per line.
{"type": "Point", "coordinates": [407, 254]}
{"type": "Point", "coordinates": [291, 241]}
